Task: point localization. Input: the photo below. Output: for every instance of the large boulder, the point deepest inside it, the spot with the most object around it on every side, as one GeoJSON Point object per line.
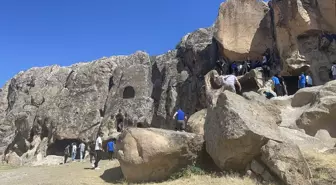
{"type": "Point", "coordinates": [154, 154]}
{"type": "Point", "coordinates": [287, 162]}
{"type": "Point", "coordinates": [299, 26]}
{"type": "Point", "coordinates": [304, 141]}
{"type": "Point", "coordinates": [196, 122]}
{"type": "Point", "coordinates": [321, 110]}
{"type": "Point", "coordinates": [244, 29]}
{"type": "Point", "coordinates": [236, 129]}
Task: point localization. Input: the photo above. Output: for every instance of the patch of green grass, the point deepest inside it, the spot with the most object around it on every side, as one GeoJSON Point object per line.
{"type": "Point", "coordinates": [187, 172]}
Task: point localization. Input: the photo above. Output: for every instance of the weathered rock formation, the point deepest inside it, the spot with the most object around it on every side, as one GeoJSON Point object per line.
{"type": "Point", "coordinates": [287, 162]}
{"type": "Point", "coordinates": [155, 154]}
{"type": "Point", "coordinates": [299, 26]}
{"type": "Point", "coordinates": [244, 29]}
{"type": "Point", "coordinates": [236, 129]}
{"type": "Point", "coordinates": [196, 122]}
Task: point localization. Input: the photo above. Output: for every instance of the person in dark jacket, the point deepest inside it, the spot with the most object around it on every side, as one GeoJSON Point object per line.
{"type": "Point", "coordinates": [66, 153]}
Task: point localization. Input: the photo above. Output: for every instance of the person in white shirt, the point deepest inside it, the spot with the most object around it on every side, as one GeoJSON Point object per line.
{"type": "Point", "coordinates": [82, 151]}
{"type": "Point", "coordinates": [229, 81]}
{"type": "Point", "coordinates": [333, 71]}
{"type": "Point", "coordinates": [74, 151]}
{"type": "Point", "coordinates": [99, 150]}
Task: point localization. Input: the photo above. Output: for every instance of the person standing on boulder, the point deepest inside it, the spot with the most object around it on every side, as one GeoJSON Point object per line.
{"type": "Point", "coordinates": [302, 81]}
{"type": "Point", "coordinates": [82, 151]}
{"type": "Point", "coordinates": [110, 149]}
{"type": "Point", "coordinates": [74, 151]}
{"type": "Point", "coordinates": [66, 153]}
{"type": "Point", "coordinates": [180, 123]}
{"type": "Point", "coordinates": [99, 150]}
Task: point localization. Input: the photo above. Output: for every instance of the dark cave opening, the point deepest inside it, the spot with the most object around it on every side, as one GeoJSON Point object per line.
{"type": "Point", "coordinates": [57, 148]}
{"type": "Point", "coordinates": [291, 84]}
{"type": "Point", "coordinates": [129, 92]}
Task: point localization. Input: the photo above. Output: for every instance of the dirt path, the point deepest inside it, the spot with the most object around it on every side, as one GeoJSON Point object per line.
{"type": "Point", "coordinates": [70, 174]}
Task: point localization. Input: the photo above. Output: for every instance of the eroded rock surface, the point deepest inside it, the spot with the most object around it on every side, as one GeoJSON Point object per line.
{"type": "Point", "coordinates": [237, 128]}
{"type": "Point", "coordinates": [154, 154]}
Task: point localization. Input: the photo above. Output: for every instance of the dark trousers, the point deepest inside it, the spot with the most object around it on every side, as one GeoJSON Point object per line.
{"type": "Point", "coordinates": [110, 155]}
{"type": "Point", "coordinates": [180, 125]}
{"type": "Point", "coordinates": [278, 90]}
{"type": "Point", "coordinates": [65, 158]}
{"type": "Point", "coordinates": [98, 157]}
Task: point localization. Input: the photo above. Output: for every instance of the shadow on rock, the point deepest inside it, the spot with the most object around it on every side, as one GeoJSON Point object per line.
{"type": "Point", "coordinates": [113, 175]}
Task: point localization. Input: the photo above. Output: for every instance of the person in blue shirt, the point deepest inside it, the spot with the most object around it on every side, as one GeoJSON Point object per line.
{"type": "Point", "coordinates": [277, 85]}
{"type": "Point", "coordinates": [110, 149]}
{"type": "Point", "coordinates": [302, 81]}
{"type": "Point", "coordinates": [180, 123]}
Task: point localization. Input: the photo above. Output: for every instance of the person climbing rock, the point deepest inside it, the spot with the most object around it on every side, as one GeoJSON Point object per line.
{"type": "Point", "coordinates": [99, 150]}
{"type": "Point", "coordinates": [266, 67]}
{"type": "Point", "coordinates": [120, 121]}
{"type": "Point", "coordinates": [74, 151]}
{"type": "Point", "coordinates": [180, 122]}
{"type": "Point", "coordinates": [333, 71]}
{"type": "Point", "coordinates": [110, 149]}
{"type": "Point", "coordinates": [229, 81]}
{"type": "Point", "coordinates": [66, 153]}
{"type": "Point", "coordinates": [81, 151]}
{"type": "Point", "coordinates": [277, 85]}
{"type": "Point", "coordinates": [302, 81]}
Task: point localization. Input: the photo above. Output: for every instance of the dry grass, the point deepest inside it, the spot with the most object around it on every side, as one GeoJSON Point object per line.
{"type": "Point", "coordinates": [208, 179]}
{"type": "Point", "coordinates": [321, 165]}
{"type": "Point", "coordinates": [320, 160]}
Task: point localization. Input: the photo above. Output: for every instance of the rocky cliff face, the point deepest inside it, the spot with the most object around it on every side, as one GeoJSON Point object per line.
{"type": "Point", "coordinates": [73, 103]}
{"type": "Point", "coordinates": [42, 108]}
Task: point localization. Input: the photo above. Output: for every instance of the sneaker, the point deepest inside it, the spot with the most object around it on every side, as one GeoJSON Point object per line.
{"type": "Point", "coordinates": [92, 165]}
{"type": "Point", "coordinates": [97, 168]}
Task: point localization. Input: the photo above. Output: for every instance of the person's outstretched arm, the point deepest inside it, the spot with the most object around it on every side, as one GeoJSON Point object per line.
{"type": "Point", "coordinates": [174, 115]}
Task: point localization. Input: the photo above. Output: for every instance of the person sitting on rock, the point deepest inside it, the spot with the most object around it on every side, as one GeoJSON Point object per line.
{"type": "Point", "coordinates": [120, 121]}
{"type": "Point", "coordinates": [180, 122]}
{"type": "Point", "coordinates": [276, 84]}
{"type": "Point", "coordinates": [302, 81]}
{"type": "Point", "coordinates": [66, 153]}
{"type": "Point", "coordinates": [230, 82]}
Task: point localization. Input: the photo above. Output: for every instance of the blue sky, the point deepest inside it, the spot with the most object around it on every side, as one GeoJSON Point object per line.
{"type": "Point", "coordinates": [46, 32]}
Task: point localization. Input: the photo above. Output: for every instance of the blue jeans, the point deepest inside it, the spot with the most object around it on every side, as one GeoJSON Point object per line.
{"type": "Point", "coordinates": [82, 155]}
{"type": "Point", "coordinates": [74, 155]}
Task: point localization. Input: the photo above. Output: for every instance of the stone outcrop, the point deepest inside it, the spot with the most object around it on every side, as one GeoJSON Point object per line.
{"type": "Point", "coordinates": [75, 102]}
{"type": "Point", "coordinates": [287, 162]}
{"type": "Point", "coordinates": [178, 77]}
{"type": "Point", "coordinates": [243, 29]}
{"type": "Point", "coordinates": [237, 128]}
{"type": "Point", "coordinates": [299, 26]}
{"type": "Point", "coordinates": [321, 110]}
{"type": "Point", "coordinates": [196, 122]}
{"type": "Point", "coordinates": [154, 154]}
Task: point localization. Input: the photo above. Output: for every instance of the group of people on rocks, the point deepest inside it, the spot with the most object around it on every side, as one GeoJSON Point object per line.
{"type": "Point", "coordinates": [95, 151]}
{"type": "Point", "coordinates": [240, 68]}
